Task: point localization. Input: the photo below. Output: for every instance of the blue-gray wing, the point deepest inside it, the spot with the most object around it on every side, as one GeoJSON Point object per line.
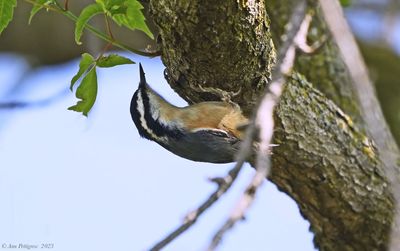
{"type": "Point", "coordinates": [206, 145]}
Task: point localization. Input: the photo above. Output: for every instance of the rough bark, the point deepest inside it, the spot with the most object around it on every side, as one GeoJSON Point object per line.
{"type": "Point", "coordinates": [324, 68]}
{"type": "Point", "coordinates": [219, 49]}
{"type": "Point", "coordinates": [203, 44]}
{"type": "Point", "coordinates": [332, 170]}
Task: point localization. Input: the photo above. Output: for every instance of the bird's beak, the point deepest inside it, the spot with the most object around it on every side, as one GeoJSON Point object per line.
{"type": "Point", "coordinates": [142, 77]}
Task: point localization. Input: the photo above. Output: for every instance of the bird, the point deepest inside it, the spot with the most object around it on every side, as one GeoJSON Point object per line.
{"type": "Point", "coordinates": [205, 132]}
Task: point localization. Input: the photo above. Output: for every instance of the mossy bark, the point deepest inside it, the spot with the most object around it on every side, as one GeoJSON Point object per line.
{"type": "Point", "coordinates": [332, 170]}
{"type": "Point", "coordinates": [203, 44]}
{"type": "Point", "coordinates": [217, 50]}
{"type": "Point", "coordinates": [324, 68]}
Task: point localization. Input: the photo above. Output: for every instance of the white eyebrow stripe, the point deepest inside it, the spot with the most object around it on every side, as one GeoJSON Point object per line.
{"type": "Point", "coordinates": [143, 122]}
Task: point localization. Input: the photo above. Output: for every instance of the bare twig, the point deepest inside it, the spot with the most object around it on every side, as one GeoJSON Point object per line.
{"type": "Point", "coordinates": [372, 113]}
{"type": "Point", "coordinates": [295, 38]}
{"type": "Point", "coordinates": [223, 185]}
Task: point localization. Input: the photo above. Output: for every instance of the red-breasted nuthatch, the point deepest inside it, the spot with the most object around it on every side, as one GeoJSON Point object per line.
{"type": "Point", "coordinates": [206, 132]}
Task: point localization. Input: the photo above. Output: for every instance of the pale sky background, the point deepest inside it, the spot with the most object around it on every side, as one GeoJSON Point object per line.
{"type": "Point", "coordinates": [93, 184]}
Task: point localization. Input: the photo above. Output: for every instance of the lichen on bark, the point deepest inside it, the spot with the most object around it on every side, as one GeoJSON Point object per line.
{"type": "Point", "coordinates": [332, 171]}
{"type": "Point", "coordinates": [324, 68]}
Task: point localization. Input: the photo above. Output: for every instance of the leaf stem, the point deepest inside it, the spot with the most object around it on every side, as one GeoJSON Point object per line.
{"type": "Point", "coordinates": [66, 4]}
{"type": "Point", "coordinates": [108, 27]}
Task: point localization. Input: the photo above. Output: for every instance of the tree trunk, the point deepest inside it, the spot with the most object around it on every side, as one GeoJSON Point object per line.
{"type": "Point", "coordinates": [220, 50]}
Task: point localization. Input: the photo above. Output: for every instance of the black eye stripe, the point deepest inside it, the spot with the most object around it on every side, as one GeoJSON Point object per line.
{"type": "Point", "coordinates": [136, 114]}
{"type": "Point", "coordinates": [153, 124]}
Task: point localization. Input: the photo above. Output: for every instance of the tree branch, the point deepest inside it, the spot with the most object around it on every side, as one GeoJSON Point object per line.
{"type": "Point", "coordinates": [323, 68]}
{"type": "Point", "coordinates": [370, 106]}
{"type": "Point", "coordinates": [323, 160]}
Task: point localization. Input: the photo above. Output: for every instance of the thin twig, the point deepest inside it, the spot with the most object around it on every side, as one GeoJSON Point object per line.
{"type": "Point", "coordinates": [295, 38]}
{"type": "Point", "coordinates": [223, 185]}
{"type": "Point", "coordinates": [108, 28]}
{"type": "Point", "coordinates": [370, 106]}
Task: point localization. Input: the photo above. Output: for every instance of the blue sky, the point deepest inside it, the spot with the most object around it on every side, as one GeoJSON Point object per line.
{"type": "Point", "coordinates": [94, 184]}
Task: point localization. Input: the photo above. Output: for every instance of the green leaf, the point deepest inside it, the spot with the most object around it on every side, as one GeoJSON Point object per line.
{"type": "Point", "coordinates": [38, 5]}
{"type": "Point", "coordinates": [86, 61]}
{"type": "Point", "coordinates": [111, 4]}
{"type": "Point", "coordinates": [87, 92]}
{"type": "Point", "coordinates": [102, 3]}
{"type": "Point", "coordinates": [133, 18]}
{"type": "Point", "coordinates": [6, 12]}
{"type": "Point", "coordinates": [113, 60]}
{"type": "Point", "coordinates": [87, 13]}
